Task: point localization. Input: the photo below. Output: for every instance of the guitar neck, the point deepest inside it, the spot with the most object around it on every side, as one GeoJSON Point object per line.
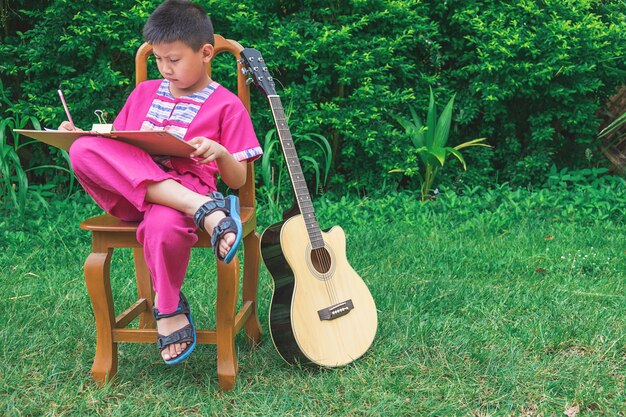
{"type": "Point", "coordinates": [300, 189]}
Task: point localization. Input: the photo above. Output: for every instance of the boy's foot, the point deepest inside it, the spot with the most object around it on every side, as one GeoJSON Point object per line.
{"type": "Point", "coordinates": [176, 336]}
{"type": "Point", "coordinates": [228, 240]}
{"type": "Point", "coordinates": [168, 325]}
{"type": "Point", "coordinates": [220, 217]}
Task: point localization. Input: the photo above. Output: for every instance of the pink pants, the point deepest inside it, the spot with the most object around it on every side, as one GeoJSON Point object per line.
{"type": "Point", "coordinates": [116, 175]}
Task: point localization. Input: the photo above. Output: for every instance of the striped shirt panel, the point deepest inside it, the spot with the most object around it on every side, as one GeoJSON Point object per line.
{"type": "Point", "coordinates": [248, 153]}
{"type": "Point", "coordinates": [175, 114]}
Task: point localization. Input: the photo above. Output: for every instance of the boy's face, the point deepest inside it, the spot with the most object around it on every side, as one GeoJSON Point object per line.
{"type": "Point", "coordinates": [182, 66]}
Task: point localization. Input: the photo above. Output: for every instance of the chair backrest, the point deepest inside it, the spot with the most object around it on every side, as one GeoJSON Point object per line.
{"type": "Point", "coordinates": [246, 192]}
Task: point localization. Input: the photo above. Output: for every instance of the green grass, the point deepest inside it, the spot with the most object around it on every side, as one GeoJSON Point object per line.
{"type": "Point", "coordinates": [484, 309]}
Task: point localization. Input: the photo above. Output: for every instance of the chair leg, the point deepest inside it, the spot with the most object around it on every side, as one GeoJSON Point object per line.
{"type": "Point", "coordinates": [227, 291]}
{"type": "Point", "coordinates": [144, 288]}
{"type": "Point", "coordinates": [97, 279]}
{"type": "Point", "coordinates": [251, 264]}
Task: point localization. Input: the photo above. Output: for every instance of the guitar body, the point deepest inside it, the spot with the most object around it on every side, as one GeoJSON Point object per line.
{"type": "Point", "coordinates": [321, 313]}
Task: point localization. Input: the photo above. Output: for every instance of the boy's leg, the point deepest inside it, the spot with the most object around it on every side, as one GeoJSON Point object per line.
{"type": "Point", "coordinates": [167, 236]}
{"type": "Point", "coordinates": [115, 174]}
{"type": "Point", "coordinates": [182, 197]}
{"type": "Point", "coordinates": [124, 180]}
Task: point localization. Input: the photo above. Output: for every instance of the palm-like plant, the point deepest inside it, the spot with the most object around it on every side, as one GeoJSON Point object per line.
{"type": "Point", "coordinates": [430, 143]}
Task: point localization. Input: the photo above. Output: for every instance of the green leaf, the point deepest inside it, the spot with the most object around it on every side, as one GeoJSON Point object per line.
{"type": "Point", "coordinates": [315, 166]}
{"type": "Point", "coordinates": [614, 125]}
{"type": "Point", "coordinates": [266, 169]}
{"type": "Point", "coordinates": [417, 136]}
{"type": "Point", "coordinates": [416, 120]}
{"type": "Point", "coordinates": [443, 124]}
{"type": "Point", "coordinates": [458, 156]}
{"type": "Point", "coordinates": [439, 154]}
{"type": "Point", "coordinates": [473, 142]}
{"type": "Point", "coordinates": [323, 145]}
{"type": "Point", "coordinates": [431, 120]}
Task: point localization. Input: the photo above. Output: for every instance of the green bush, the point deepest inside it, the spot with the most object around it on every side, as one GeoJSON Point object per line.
{"type": "Point", "coordinates": [85, 48]}
{"type": "Point", "coordinates": [530, 75]}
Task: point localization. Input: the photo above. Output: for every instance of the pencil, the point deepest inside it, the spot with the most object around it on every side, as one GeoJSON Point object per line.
{"type": "Point", "coordinates": [67, 111]}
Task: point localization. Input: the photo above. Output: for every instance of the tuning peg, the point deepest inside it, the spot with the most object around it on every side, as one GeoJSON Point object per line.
{"type": "Point", "coordinates": [249, 81]}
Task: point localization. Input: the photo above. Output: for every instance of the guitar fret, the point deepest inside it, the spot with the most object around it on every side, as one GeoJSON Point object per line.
{"type": "Point", "coordinates": [317, 243]}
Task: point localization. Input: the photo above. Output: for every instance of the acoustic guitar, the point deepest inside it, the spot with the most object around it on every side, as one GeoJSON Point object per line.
{"type": "Point", "coordinates": [321, 313]}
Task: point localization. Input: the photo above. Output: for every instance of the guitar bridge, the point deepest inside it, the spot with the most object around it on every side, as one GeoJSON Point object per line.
{"type": "Point", "coordinates": [336, 311]}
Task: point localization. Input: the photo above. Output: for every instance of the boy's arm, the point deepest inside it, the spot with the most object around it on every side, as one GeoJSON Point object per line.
{"type": "Point", "coordinates": [232, 171]}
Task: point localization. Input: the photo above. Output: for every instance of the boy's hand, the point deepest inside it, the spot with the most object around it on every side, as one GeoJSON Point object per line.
{"type": "Point", "coordinates": [66, 125]}
{"type": "Point", "coordinates": [207, 149]}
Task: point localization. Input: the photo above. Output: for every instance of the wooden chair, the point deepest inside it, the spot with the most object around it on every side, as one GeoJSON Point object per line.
{"type": "Point", "coordinates": [109, 233]}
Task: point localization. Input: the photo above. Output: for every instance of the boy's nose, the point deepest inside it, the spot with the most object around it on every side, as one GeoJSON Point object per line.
{"type": "Point", "coordinates": [166, 69]}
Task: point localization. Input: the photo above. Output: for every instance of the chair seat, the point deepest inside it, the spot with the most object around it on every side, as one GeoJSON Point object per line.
{"type": "Point", "coordinates": [111, 224]}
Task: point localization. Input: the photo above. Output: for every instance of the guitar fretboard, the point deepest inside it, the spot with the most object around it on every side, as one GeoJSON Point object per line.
{"type": "Point", "coordinates": [303, 198]}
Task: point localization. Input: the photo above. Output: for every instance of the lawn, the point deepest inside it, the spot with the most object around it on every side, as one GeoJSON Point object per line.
{"type": "Point", "coordinates": [490, 302]}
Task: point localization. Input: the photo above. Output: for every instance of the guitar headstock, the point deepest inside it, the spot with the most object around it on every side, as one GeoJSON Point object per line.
{"type": "Point", "coordinates": [255, 66]}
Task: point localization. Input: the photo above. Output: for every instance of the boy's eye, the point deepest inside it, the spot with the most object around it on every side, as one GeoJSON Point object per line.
{"type": "Point", "coordinates": [174, 60]}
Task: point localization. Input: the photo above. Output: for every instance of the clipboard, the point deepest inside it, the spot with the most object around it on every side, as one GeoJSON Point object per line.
{"type": "Point", "coordinates": [155, 142]}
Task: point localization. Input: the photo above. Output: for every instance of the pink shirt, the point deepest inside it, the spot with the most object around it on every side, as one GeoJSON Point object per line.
{"type": "Point", "coordinates": [222, 117]}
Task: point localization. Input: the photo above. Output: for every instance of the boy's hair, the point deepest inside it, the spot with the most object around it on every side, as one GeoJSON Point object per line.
{"type": "Point", "coordinates": [179, 20]}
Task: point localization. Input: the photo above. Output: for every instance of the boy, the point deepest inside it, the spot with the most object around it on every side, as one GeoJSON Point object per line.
{"type": "Point", "coordinates": [172, 196]}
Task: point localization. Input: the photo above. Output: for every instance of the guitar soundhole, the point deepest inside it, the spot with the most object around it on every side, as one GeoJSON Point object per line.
{"type": "Point", "coordinates": [321, 260]}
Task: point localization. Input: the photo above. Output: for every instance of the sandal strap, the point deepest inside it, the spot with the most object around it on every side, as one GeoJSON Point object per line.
{"type": "Point", "coordinates": [231, 223]}
{"type": "Point", "coordinates": [179, 336]}
{"type": "Point", "coordinates": [226, 225]}
{"type": "Point", "coordinates": [183, 308]}
{"type": "Point", "coordinates": [218, 203]}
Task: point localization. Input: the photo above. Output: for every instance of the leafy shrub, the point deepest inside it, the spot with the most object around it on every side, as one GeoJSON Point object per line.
{"type": "Point", "coordinates": [530, 75]}
{"type": "Point", "coordinates": [585, 197]}
{"type": "Point", "coordinates": [86, 48]}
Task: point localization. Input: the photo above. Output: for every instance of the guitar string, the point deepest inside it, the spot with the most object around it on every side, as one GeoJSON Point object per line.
{"type": "Point", "coordinates": [325, 266]}
{"type": "Point", "coordinates": [325, 262]}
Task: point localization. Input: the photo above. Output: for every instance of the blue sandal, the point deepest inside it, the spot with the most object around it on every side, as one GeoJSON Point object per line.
{"type": "Point", "coordinates": [230, 223]}
{"type": "Point", "coordinates": [185, 335]}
